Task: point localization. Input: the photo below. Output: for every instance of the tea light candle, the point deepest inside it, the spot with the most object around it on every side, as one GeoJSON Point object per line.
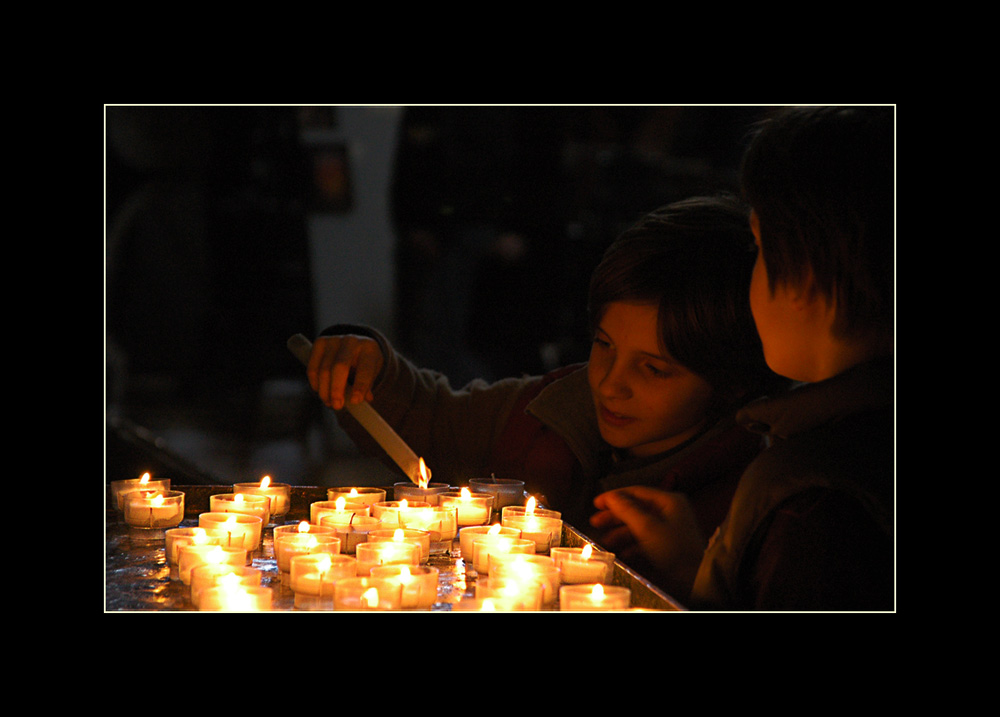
{"type": "Point", "coordinates": [177, 537]}
{"type": "Point", "coordinates": [491, 603]}
{"type": "Point", "coordinates": [594, 597]}
{"type": "Point", "coordinates": [526, 594]}
{"type": "Point", "coordinates": [312, 578]}
{"type": "Point", "coordinates": [484, 545]}
{"type": "Point", "coordinates": [584, 565]}
{"type": "Point", "coordinates": [352, 534]}
{"type": "Point", "coordinates": [418, 585]}
{"type": "Point", "coordinates": [357, 494]}
{"type": "Point", "coordinates": [505, 491]}
{"type": "Point", "coordinates": [242, 530]}
{"type": "Point", "coordinates": [234, 597]}
{"type": "Point", "coordinates": [367, 593]}
{"type": "Point", "coordinates": [389, 512]}
{"type": "Point", "coordinates": [302, 539]}
{"type": "Point", "coordinates": [540, 569]}
{"type": "Point", "coordinates": [144, 482]}
{"type": "Point", "coordinates": [420, 538]}
{"type": "Point", "coordinates": [469, 533]}
{"type": "Point", "coordinates": [191, 556]}
{"type": "Point", "coordinates": [472, 509]}
{"type": "Point", "coordinates": [339, 510]}
{"type": "Point", "coordinates": [279, 495]}
{"type": "Point", "coordinates": [153, 510]}
{"type": "Point", "coordinates": [440, 522]}
{"type": "Point", "coordinates": [209, 575]}
{"type": "Point", "coordinates": [538, 524]}
{"type": "Point", "coordinates": [412, 492]}
{"type": "Point", "coordinates": [388, 552]}
{"type": "Point", "coordinates": [243, 503]}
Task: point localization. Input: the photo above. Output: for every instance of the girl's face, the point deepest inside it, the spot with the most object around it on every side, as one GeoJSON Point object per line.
{"type": "Point", "coordinates": [646, 402]}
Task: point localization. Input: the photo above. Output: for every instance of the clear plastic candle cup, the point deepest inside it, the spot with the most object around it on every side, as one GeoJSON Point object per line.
{"type": "Point", "coordinates": [209, 575]}
{"type": "Point", "coordinates": [473, 508]}
{"type": "Point", "coordinates": [390, 552]}
{"type": "Point", "coordinates": [279, 496]}
{"type": "Point", "coordinates": [302, 539]}
{"type": "Point", "coordinates": [418, 584]}
{"type": "Point", "coordinates": [468, 534]}
{"type": "Point", "coordinates": [242, 530]}
{"type": "Point", "coordinates": [144, 482]}
{"type": "Point", "coordinates": [357, 494]}
{"type": "Point", "coordinates": [150, 513]}
{"type": "Point", "coordinates": [242, 503]}
{"type": "Point", "coordinates": [584, 565]}
{"type": "Point", "coordinates": [596, 597]}
{"type": "Point", "coordinates": [312, 578]}
{"type": "Point", "coordinates": [367, 593]}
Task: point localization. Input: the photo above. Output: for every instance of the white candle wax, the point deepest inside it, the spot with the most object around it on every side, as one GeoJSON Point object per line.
{"type": "Point", "coordinates": [357, 494]}
{"type": "Point", "coordinates": [594, 597]}
{"type": "Point", "coordinates": [242, 530]}
{"type": "Point", "coordinates": [208, 575]}
{"type": "Point", "coordinates": [177, 537]}
{"type": "Point", "coordinates": [154, 509]}
{"type": "Point", "coordinates": [468, 534]}
{"type": "Point", "coordinates": [191, 556]}
{"type": "Point", "coordinates": [418, 585]}
{"type": "Point", "coordinates": [583, 565]}
{"type": "Point", "coordinates": [279, 495]}
{"type": "Point", "coordinates": [390, 552]}
{"type": "Point", "coordinates": [472, 508]}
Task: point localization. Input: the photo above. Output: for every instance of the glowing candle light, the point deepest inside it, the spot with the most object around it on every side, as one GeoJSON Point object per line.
{"type": "Point", "coordinates": [584, 565]}
{"type": "Point", "coordinates": [242, 530]}
{"type": "Point", "coordinates": [542, 526]}
{"type": "Point", "coordinates": [154, 510]}
{"type": "Point", "coordinates": [418, 585]}
{"type": "Point", "coordinates": [279, 495]}
{"type": "Point", "coordinates": [357, 494]}
{"type": "Point", "coordinates": [471, 509]}
{"type": "Point", "coordinates": [302, 539]}
{"type": "Point", "coordinates": [119, 488]}
{"type": "Point", "coordinates": [594, 597]}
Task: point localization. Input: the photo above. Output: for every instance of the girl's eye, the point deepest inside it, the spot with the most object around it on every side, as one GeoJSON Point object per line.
{"type": "Point", "coordinates": [601, 342]}
{"type": "Point", "coordinates": [660, 373]}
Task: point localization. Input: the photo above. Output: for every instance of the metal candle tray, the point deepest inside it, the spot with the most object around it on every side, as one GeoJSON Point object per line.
{"type": "Point", "coordinates": [138, 578]}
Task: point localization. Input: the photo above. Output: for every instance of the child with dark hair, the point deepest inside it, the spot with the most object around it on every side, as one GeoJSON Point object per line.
{"type": "Point", "coordinates": [811, 526]}
{"type": "Point", "coordinates": [674, 355]}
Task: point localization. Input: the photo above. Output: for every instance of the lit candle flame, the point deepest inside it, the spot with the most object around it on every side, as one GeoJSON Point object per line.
{"type": "Point", "coordinates": [587, 551]}
{"type": "Point", "coordinates": [403, 503]}
{"type": "Point", "coordinates": [425, 475]}
{"type": "Point", "coordinates": [324, 563]}
{"type": "Point", "coordinates": [399, 535]}
{"type": "Point", "coordinates": [597, 593]}
{"type": "Point", "coordinates": [340, 502]}
{"type": "Point", "coordinates": [405, 576]}
{"type": "Point", "coordinates": [529, 507]}
{"type": "Point", "coordinates": [488, 606]}
{"type": "Point", "coordinates": [494, 529]}
{"type": "Point", "coordinates": [199, 536]}
{"type": "Point", "coordinates": [238, 498]}
{"type": "Point", "coordinates": [303, 527]}
{"type": "Point", "coordinates": [466, 494]}
{"type": "Point", "coordinates": [265, 481]}
{"type": "Point", "coordinates": [370, 597]}
{"type": "Point", "coordinates": [157, 500]}
{"type": "Point", "coordinates": [144, 479]}
{"type": "Point", "coordinates": [353, 493]}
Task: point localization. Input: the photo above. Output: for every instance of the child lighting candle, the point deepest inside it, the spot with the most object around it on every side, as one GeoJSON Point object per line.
{"type": "Point", "coordinates": [594, 597]}
{"type": "Point", "coordinates": [279, 495]}
{"type": "Point", "coordinates": [472, 509]}
{"type": "Point", "coordinates": [584, 565]}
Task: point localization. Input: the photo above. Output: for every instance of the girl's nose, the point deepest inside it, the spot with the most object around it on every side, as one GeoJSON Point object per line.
{"type": "Point", "coordinates": [615, 384]}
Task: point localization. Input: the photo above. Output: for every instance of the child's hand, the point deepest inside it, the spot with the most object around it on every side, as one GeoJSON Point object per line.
{"type": "Point", "coordinates": [662, 525]}
{"type": "Point", "coordinates": [344, 368]}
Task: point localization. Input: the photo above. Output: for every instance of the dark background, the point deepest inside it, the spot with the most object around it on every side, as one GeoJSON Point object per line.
{"type": "Point", "coordinates": [497, 214]}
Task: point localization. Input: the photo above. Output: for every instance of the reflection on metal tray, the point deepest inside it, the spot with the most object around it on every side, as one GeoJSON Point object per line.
{"type": "Point", "coordinates": [138, 578]}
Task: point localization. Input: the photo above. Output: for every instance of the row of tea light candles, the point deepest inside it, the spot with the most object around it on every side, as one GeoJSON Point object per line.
{"type": "Point", "coordinates": [359, 551]}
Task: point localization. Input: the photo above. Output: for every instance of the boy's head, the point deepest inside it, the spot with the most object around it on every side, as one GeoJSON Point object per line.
{"type": "Point", "coordinates": [692, 260]}
{"type": "Point", "coordinates": [821, 184]}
